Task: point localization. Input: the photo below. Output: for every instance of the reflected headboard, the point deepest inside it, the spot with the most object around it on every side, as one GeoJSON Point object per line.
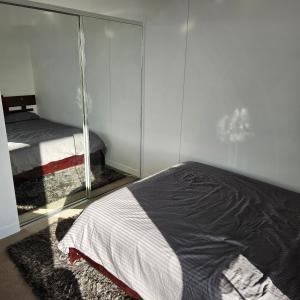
{"type": "Point", "coordinates": [17, 101]}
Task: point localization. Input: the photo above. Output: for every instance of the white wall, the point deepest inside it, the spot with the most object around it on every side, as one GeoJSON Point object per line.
{"type": "Point", "coordinates": [241, 106]}
{"type": "Point", "coordinates": [165, 34]}
{"type": "Point", "coordinates": [16, 77]}
{"type": "Point", "coordinates": [9, 222]}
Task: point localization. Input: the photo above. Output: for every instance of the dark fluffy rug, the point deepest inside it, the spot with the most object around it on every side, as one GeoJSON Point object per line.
{"type": "Point", "coordinates": [37, 192]}
{"type": "Point", "coordinates": [50, 275]}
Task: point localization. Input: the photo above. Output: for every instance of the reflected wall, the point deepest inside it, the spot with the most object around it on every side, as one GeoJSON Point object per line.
{"type": "Point", "coordinates": [113, 82]}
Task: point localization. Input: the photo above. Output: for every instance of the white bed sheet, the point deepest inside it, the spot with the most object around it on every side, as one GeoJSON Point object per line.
{"type": "Point", "coordinates": [116, 233]}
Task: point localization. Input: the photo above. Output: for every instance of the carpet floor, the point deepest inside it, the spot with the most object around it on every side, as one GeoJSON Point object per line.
{"type": "Point", "coordinates": [49, 273]}
{"type": "Point", "coordinates": [37, 192]}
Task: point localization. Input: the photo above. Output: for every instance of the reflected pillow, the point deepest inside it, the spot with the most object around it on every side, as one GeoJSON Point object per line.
{"type": "Point", "coordinates": [20, 116]}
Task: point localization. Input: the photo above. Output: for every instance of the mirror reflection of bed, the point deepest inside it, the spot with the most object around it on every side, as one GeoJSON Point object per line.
{"type": "Point", "coordinates": [47, 158]}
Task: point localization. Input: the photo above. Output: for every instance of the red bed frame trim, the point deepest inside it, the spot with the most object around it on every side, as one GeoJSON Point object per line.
{"type": "Point", "coordinates": [62, 164]}
{"type": "Point", "coordinates": [75, 255]}
{"type": "Point", "coordinates": [53, 167]}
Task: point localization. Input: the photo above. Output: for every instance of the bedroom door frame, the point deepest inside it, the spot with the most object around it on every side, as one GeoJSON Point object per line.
{"type": "Point", "coordinates": [81, 52]}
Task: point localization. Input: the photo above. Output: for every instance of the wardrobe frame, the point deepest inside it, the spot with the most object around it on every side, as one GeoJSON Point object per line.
{"type": "Point", "coordinates": [80, 14]}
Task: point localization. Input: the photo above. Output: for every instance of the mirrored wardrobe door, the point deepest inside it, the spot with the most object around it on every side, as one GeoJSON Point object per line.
{"type": "Point", "coordinates": [113, 81]}
{"type": "Point", "coordinates": [40, 70]}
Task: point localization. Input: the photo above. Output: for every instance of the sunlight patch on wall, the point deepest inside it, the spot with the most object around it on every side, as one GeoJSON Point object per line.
{"type": "Point", "coordinates": [235, 128]}
{"type": "Point", "coordinates": [79, 101]}
{"type": "Point", "coordinates": [187, 26]}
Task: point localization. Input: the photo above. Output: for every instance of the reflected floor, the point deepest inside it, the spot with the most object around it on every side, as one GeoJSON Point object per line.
{"type": "Point", "coordinates": [68, 184]}
{"type": "Point", "coordinates": [42, 196]}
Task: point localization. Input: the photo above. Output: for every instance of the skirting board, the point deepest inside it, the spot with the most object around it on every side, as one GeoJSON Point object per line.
{"type": "Point", "coordinates": [9, 230]}
{"type": "Point", "coordinates": [123, 168]}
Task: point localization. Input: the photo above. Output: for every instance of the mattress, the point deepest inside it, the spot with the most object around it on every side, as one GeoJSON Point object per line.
{"type": "Point", "coordinates": [39, 142]}
{"type": "Point", "coordinates": [195, 232]}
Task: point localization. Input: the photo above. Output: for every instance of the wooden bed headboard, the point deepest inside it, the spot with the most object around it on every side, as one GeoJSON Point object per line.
{"type": "Point", "coordinates": [18, 101]}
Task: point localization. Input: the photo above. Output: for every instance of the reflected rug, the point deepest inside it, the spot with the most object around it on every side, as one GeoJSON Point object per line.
{"type": "Point", "coordinates": [36, 192]}
{"type": "Point", "coordinates": [51, 276]}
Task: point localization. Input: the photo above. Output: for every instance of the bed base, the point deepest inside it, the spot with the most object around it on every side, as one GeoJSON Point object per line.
{"type": "Point", "coordinates": [55, 166]}
{"type": "Point", "coordinates": [75, 255]}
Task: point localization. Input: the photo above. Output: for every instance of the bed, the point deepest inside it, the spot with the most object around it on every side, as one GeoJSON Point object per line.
{"type": "Point", "coordinates": [194, 232]}
{"type": "Point", "coordinates": [38, 144]}
{"type": "Point", "coordinates": [47, 158]}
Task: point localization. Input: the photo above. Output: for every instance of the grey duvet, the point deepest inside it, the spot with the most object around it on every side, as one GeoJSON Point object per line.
{"type": "Point", "coordinates": [34, 143]}
{"type": "Point", "coordinates": [196, 232]}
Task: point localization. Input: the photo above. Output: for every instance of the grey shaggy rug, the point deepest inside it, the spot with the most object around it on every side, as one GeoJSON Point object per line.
{"type": "Point", "coordinates": [49, 273]}
{"type": "Point", "coordinates": [37, 192]}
